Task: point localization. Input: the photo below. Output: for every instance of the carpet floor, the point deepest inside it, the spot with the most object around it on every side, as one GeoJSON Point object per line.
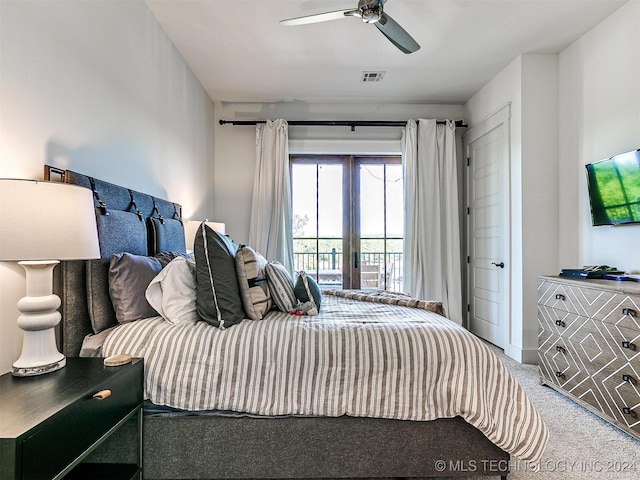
{"type": "Point", "coordinates": [581, 444]}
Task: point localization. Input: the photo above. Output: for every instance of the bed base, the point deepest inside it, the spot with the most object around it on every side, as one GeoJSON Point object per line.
{"type": "Point", "coordinates": [197, 447]}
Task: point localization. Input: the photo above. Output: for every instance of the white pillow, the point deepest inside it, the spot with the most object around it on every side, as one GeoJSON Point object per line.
{"type": "Point", "coordinates": [172, 293]}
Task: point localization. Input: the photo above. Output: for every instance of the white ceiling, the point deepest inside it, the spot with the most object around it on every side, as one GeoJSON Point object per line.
{"type": "Point", "coordinates": [240, 53]}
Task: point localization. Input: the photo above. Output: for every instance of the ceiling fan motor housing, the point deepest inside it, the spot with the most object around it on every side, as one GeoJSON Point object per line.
{"type": "Point", "coordinates": [371, 10]}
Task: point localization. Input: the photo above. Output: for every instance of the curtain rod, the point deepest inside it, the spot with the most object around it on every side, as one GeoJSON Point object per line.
{"type": "Point", "coordinates": [337, 123]}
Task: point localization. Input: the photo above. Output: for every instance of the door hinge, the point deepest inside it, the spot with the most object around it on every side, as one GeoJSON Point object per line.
{"type": "Point", "coordinates": [468, 307]}
{"type": "Point", "coordinates": [468, 259]}
{"type": "Point", "coordinates": [468, 211]}
{"type": "Point", "coordinates": [468, 161]}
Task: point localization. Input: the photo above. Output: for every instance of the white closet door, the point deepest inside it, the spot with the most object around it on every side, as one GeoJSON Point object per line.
{"type": "Point", "coordinates": [487, 151]}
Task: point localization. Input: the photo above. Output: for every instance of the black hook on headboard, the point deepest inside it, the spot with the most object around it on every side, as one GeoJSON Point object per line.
{"type": "Point", "coordinates": [135, 207]}
{"type": "Point", "coordinates": [155, 210]}
{"type": "Point", "coordinates": [175, 215]}
{"type": "Point", "coordinates": [101, 205]}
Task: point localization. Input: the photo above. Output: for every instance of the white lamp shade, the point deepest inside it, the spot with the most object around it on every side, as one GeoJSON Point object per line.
{"type": "Point", "coordinates": [46, 221]}
{"type": "Point", "coordinates": [191, 227]}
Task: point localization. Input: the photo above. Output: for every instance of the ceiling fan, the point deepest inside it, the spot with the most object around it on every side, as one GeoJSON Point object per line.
{"type": "Point", "coordinates": [370, 11]}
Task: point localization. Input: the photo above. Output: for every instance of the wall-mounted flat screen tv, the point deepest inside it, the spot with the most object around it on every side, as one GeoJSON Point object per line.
{"type": "Point", "coordinates": [614, 189]}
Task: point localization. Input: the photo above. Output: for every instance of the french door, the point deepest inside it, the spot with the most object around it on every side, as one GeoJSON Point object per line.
{"type": "Point", "coordinates": [348, 220]}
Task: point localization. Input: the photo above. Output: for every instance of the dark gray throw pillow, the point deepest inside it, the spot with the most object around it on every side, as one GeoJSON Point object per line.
{"type": "Point", "coordinates": [218, 301]}
{"type": "Point", "coordinates": [307, 289]}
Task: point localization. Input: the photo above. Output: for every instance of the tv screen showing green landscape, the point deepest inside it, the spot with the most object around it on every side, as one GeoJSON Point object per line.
{"type": "Point", "coordinates": [614, 189]}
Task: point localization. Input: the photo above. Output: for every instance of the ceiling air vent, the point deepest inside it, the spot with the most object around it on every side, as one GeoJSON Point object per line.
{"type": "Point", "coordinates": [368, 77]}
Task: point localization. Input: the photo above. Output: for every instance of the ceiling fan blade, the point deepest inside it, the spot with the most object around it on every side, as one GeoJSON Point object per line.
{"type": "Point", "coordinates": [396, 34]}
{"type": "Point", "coordinates": [321, 17]}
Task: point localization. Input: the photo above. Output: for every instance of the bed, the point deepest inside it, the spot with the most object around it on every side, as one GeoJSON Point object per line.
{"type": "Point", "coordinates": [208, 426]}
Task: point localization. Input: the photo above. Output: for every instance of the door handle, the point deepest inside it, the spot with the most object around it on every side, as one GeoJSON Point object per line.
{"type": "Point", "coordinates": [501, 264]}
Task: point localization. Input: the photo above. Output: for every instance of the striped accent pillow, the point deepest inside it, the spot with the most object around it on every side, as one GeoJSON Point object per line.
{"type": "Point", "coordinates": [281, 286]}
{"type": "Point", "coordinates": [250, 267]}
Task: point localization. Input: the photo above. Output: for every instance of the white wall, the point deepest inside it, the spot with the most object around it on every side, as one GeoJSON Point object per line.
{"type": "Point", "coordinates": [529, 86]}
{"type": "Point", "coordinates": [97, 87]}
{"type": "Point", "coordinates": [506, 89]}
{"type": "Point", "coordinates": [568, 111]}
{"type": "Point", "coordinates": [599, 117]}
{"type": "Point", "coordinates": [539, 192]}
{"type": "Point", "coordinates": [235, 145]}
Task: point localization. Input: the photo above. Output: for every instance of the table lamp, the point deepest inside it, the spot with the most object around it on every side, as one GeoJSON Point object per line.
{"type": "Point", "coordinates": [42, 223]}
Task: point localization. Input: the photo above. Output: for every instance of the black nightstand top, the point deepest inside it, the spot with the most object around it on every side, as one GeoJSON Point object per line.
{"type": "Point", "coordinates": [26, 402]}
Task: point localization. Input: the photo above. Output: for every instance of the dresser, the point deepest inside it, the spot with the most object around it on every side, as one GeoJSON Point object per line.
{"type": "Point", "coordinates": [50, 423]}
{"type": "Point", "coordinates": [589, 345]}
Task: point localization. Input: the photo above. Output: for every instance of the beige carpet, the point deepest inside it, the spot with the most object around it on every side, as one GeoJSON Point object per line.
{"type": "Point", "coordinates": [581, 445]}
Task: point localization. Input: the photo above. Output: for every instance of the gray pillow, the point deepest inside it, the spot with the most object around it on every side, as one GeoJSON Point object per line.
{"type": "Point", "coordinates": [280, 286]}
{"type": "Point", "coordinates": [307, 289]}
{"type": "Point", "coordinates": [218, 302]}
{"type": "Point", "coordinates": [129, 277]}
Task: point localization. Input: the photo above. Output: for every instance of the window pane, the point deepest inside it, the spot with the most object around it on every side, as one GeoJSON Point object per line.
{"type": "Point", "coordinates": [371, 201]}
{"type": "Point", "coordinates": [395, 201]}
{"type": "Point", "coordinates": [381, 226]}
{"type": "Point", "coordinates": [317, 221]}
{"type": "Point", "coordinates": [303, 192]}
{"type": "Point", "coordinates": [330, 201]}
{"type": "Point", "coordinates": [330, 225]}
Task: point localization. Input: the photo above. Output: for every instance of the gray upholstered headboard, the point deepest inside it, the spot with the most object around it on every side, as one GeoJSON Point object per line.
{"type": "Point", "coordinates": [128, 221]}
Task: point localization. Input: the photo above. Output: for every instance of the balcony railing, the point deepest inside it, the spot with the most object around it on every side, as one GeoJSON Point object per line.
{"type": "Point", "coordinates": [377, 269]}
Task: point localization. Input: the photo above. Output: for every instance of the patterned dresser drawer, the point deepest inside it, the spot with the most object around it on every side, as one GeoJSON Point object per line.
{"type": "Point", "coordinates": [561, 297]}
{"type": "Point", "coordinates": [620, 309]}
{"type": "Point", "coordinates": [589, 345]}
{"type": "Point", "coordinates": [622, 394]}
{"type": "Point", "coordinates": [624, 341]}
{"type": "Point", "coordinates": [561, 364]}
{"type": "Point", "coordinates": [557, 321]}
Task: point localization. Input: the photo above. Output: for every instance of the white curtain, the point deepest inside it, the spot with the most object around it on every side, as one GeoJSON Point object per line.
{"type": "Point", "coordinates": [432, 215]}
{"type": "Point", "coordinates": [270, 232]}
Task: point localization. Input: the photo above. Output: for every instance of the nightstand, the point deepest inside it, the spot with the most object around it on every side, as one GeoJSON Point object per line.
{"type": "Point", "coordinates": [50, 423]}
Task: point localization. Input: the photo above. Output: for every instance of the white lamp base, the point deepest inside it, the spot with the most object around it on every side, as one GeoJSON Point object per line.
{"type": "Point", "coordinates": [31, 371]}
{"type": "Point", "coordinates": [39, 317]}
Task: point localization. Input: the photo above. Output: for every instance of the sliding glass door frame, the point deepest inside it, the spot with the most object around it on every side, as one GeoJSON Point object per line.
{"type": "Point", "coordinates": [351, 208]}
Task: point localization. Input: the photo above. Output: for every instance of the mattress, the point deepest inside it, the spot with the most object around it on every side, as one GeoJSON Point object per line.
{"type": "Point", "coordinates": [357, 358]}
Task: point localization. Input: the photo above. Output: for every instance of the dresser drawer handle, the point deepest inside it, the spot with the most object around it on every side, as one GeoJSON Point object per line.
{"type": "Point", "coordinates": [560, 323]}
{"type": "Point", "coordinates": [629, 311]}
{"type": "Point", "coordinates": [629, 411]}
{"type": "Point", "coordinates": [559, 296]}
{"type": "Point", "coordinates": [102, 394]}
{"type": "Point", "coordinates": [629, 345]}
{"type": "Point", "coordinates": [628, 378]}
{"type": "Point", "coordinates": [560, 349]}
{"type": "Point", "coordinates": [560, 375]}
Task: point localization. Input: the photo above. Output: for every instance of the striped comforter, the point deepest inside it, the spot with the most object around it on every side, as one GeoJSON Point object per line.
{"type": "Point", "coordinates": [356, 358]}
